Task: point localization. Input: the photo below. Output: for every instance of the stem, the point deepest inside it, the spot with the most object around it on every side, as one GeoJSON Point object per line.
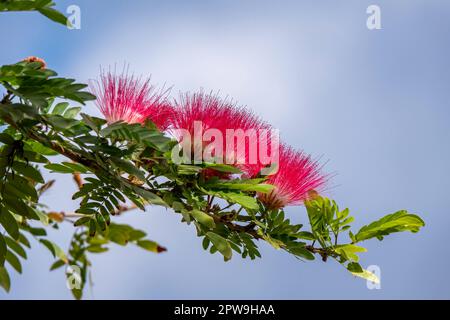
{"type": "Point", "coordinates": [228, 206]}
{"type": "Point", "coordinates": [43, 139]}
{"type": "Point", "coordinates": [7, 98]}
{"type": "Point", "coordinates": [119, 211]}
{"type": "Point", "coordinates": [210, 201]}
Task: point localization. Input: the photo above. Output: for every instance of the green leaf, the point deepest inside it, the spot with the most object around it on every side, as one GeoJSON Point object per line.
{"type": "Point", "coordinates": [241, 185]}
{"type": "Point", "coordinates": [234, 197]}
{"type": "Point", "coordinates": [203, 218]}
{"type": "Point", "coordinates": [96, 249]}
{"type": "Point", "coordinates": [242, 199]}
{"type": "Point", "coordinates": [354, 267]}
{"type": "Point", "coordinates": [60, 108]}
{"type": "Point", "coordinates": [3, 250]}
{"type": "Point", "coordinates": [365, 274]}
{"type": "Point", "coordinates": [82, 221]}
{"type": "Point", "coordinates": [277, 244]}
{"type": "Point", "coordinates": [101, 222]}
{"type": "Point", "coordinates": [9, 223]}
{"type": "Point", "coordinates": [301, 252]}
{"type": "Point", "coordinates": [21, 187]}
{"type": "Point", "coordinates": [92, 122]}
{"type": "Point", "coordinates": [19, 112]}
{"type": "Point", "coordinates": [34, 157]}
{"type": "Point", "coordinates": [77, 293]}
{"type": "Point", "coordinates": [110, 128]}
{"type": "Point", "coordinates": [221, 167]}
{"type": "Point", "coordinates": [56, 251]}
{"type": "Point", "coordinates": [14, 261]}
{"type": "Point", "coordinates": [55, 167]}
{"type": "Point", "coordinates": [396, 222]}
{"type": "Point", "coordinates": [23, 240]}
{"type": "Point", "coordinates": [205, 243]}
{"type": "Point", "coordinates": [54, 15]}
{"type": "Point", "coordinates": [40, 149]}
{"type": "Point", "coordinates": [92, 227]}
{"type": "Point", "coordinates": [15, 205]}
{"type": "Point", "coordinates": [61, 123]}
{"type": "Point", "coordinates": [119, 237]}
{"type": "Point", "coordinates": [185, 169]}
{"type": "Point", "coordinates": [128, 167]}
{"type": "Point", "coordinates": [6, 138]}
{"type": "Point", "coordinates": [148, 245]}
{"type": "Point", "coordinates": [306, 235]}
{"type": "Point", "coordinates": [42, 216]}
{"type": "Point", "coordinates": [21, 5]}
{"type": "Point", "coordinates": [76, 167]}
{"type": "Point", "coordinates": [40, 232]}
{"type": "Point", "coordinates": [221, 244]}
{"type": "Point", "coordinates": [57, 264]}
{"type": "Point", "coordinates": [42, 6]}
{"type": "Point", "coordinates": [16, 247]}
{"type": "Point", "coordinates": [72, 112]}
{"type": "Point", "coordinates": [149, 196]}
{"type": "Point", "coordinates": [5, 281]}
{"type": "Point", "coordinates": [136, 234]}
{"type": "Point", "coordinates": [348, 251]}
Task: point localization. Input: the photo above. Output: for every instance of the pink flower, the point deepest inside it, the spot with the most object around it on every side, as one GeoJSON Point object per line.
{"type": "Point", "coordinates": [126, 98]}
{"type": "Point", "coordinates": [213, 112]}
{"type": "Point", "coordinates": [209, 114]}
{"type": "Point", "coordinates": [298, 177]}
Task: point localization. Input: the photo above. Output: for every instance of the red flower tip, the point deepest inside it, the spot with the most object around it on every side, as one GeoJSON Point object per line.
{"type": "Point", "coordinates": [297, 179]}
{"type": "Point", "coordinates": [36, 59]}
{"type": "Point", "coordinates": [133, 100]}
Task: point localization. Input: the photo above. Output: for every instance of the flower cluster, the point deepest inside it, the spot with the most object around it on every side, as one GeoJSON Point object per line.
{"type": "Point", "coordinates": [297, 177]}
{"type": "Point", "coordinates": [129, 99]}
{"type": "Point", "coordinates": [221, 121]}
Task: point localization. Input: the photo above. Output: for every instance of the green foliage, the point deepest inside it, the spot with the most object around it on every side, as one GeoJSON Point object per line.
{"type": "Point", "coordinates": [327, 222]}
{"type": "Point", "coordinates": [220, 244]}
{"type": "Point", "coordinates": [83, 244]}
{"type": "Point", "coordinates": [5, 280]}
{"type": "Point", "coordinates": [396, 222]}
{"type": "Point", "coordinates": [44, 7]}
{"type": "Point", "coordinates": [122, 166]}
{"type": "Point", "coordinates": [123, 162]}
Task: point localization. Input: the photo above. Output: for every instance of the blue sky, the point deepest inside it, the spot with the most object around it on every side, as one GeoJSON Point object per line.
{"type": "Point", "coordinates": [373, 104]}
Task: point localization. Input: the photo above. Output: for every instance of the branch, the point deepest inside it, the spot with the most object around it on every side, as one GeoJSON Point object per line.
{"type": "Point", "coordinates": [61, 216]}
{"type": "Point", "coordinates": [249, 229]}
{"type": "Point", "coordinates": [7, 98]}
{"type": "Point", "coordinates": [45, 187]}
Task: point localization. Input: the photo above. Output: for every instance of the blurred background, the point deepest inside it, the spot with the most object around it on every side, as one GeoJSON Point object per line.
{"type": "Point", "coordinates": [373, 104]}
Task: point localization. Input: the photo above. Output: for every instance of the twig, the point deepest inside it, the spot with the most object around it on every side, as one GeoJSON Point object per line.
{"type": "Point", "coordinates": [7, 98]}
{"type": "Point", "coordinates": [59, 216]}
{"type": "Point", "coordinates": [45, 187]}
{"type": "Point", "coordinates": [123, 209]}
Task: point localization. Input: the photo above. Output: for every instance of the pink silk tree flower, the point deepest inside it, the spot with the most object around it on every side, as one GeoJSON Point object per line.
{"type": "Point", "coordinates": [297, 178]}
{"type": "Point", "coordinates": [129, 99]}
{"type": "Point", "coordinates": [213, 112]}
{"type": "Point", "coordinates": [207, 119]}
